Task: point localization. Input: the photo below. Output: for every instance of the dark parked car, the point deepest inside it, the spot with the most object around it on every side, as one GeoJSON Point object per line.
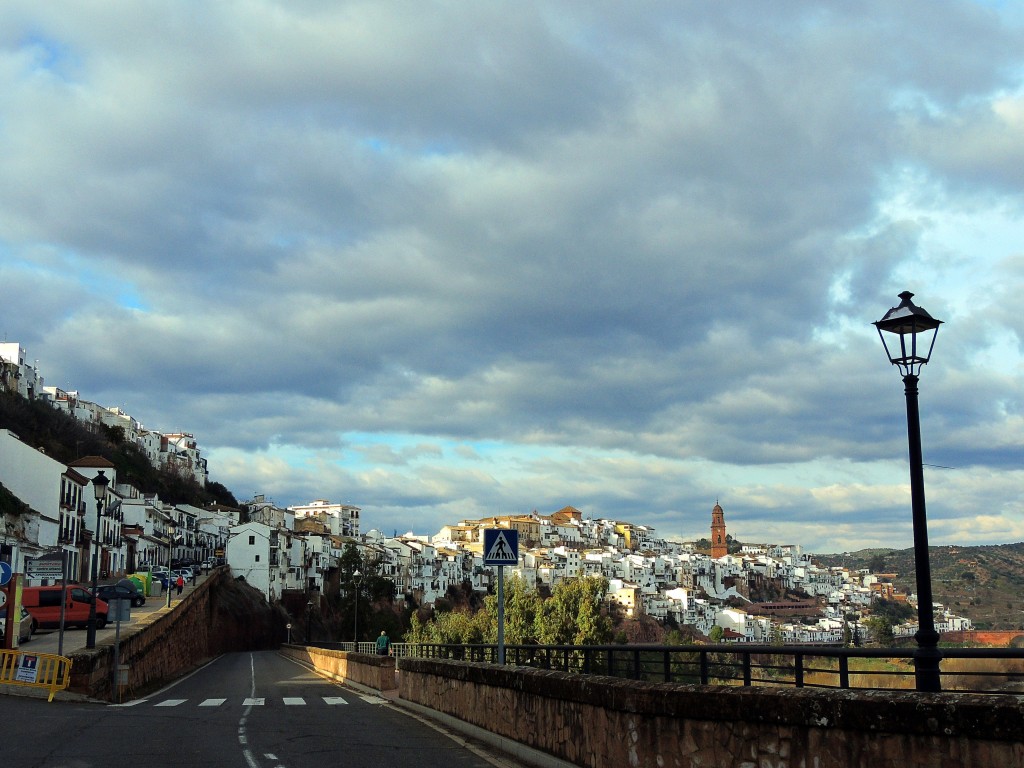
{"type": "Point", "coordinates": [123, 590]}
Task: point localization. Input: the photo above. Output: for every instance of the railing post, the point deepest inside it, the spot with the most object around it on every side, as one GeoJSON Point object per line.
{"type": "Point", "coordinates": [844, 671]}
{"type": "Point", "coordinates": [704, 672]}
{"type": "Point", "coordinates": [798, 670]}
{"type": "Point", "coordinates": [636, 664]}
{"type": "Point", "coordinates": [666, 665]}
{"type": "Point", "coordinates": [747, 677]}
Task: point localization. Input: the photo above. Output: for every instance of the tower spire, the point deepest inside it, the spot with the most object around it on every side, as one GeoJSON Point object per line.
{"type": "Point", "coordinates": [719, 546]}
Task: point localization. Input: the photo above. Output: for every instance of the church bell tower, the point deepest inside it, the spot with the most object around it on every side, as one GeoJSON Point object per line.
{"type": "Point", "coordinates": [719, 548]}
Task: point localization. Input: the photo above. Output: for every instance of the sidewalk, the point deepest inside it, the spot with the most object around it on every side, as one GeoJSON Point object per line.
{"type": "Point", "coordinates": [48, 640]}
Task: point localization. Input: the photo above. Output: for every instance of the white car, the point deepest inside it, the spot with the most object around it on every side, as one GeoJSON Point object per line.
{"type": "Point", "coordinates": [26, 627]}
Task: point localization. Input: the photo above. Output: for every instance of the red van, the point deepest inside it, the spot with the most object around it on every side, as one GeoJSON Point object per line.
{"type": "Point", "coordinates": [44, 605]}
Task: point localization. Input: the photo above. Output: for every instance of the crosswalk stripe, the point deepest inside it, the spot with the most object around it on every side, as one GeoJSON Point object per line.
{"type": "Point", "coordinates": [260, 701]}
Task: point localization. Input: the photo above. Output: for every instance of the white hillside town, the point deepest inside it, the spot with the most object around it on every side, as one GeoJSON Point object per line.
{"type": "Point", "coordinates": [282, 551]}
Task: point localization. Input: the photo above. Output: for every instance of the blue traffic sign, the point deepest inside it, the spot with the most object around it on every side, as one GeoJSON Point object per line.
{"type": "Point", "coordinates": [501, 546]}
{"type": "Point", "coordinates": [5, 573]}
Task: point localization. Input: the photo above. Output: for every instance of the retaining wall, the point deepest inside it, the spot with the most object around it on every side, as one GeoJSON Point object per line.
{"type": "Point", "coordinates": [372, 671]}
{"type": "Point", "coordinates": [219, 615]}
{"type": "Point", "coordinates": [609, 722]}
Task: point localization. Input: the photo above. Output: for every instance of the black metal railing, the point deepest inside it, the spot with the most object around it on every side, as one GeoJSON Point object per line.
{"type": "Point", "coordinates": [975, 670]}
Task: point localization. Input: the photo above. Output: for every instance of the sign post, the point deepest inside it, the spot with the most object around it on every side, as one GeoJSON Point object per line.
{"type": "Point", "coordinates": [501, 548]}
{"type": "Point", "coordinates": [11, 627]}
{"type": "Point", "coordinates": [45, 569]}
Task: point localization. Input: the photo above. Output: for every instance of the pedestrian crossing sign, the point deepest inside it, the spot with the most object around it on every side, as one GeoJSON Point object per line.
{"type": "Point", "coordinates": [501, 546]}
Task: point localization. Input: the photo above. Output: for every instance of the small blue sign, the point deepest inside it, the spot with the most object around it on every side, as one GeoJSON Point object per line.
{"type": "Point", "coordinates": [5, 573]}
{"type": "Point", "coordinates": [501, 546]}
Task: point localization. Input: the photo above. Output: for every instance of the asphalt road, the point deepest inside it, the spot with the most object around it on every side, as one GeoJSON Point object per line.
{"type": "Point", "coordinates": [243, 710]}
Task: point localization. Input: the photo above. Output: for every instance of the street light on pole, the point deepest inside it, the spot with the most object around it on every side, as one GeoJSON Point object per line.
{"type": "Point", "coordinates": [309, 621]}
{"type": "Point", "coordinates": [170, 553]}
{"type": "Point", "coordinates": [356, 578]}
{"type": "Point", "coordinates": [99, 488]}
{"type": "Point", "coordinates": [909, 322]}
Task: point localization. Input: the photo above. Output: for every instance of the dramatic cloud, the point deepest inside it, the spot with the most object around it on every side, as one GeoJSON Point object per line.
{"type": "Point", "coordinates": [446, 261]}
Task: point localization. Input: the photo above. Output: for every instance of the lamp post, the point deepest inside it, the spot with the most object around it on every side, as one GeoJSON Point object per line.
{"type": "Point", "coordinates": [99, 488]}
{"type": "Point", "coordinates": [908, 322]}
{"type": "Point", "coordinates": [170, 553]}
{"type": "Point", "coordinates": [309, 620]}
{"type": "Point", "coordinates": [356, 578]}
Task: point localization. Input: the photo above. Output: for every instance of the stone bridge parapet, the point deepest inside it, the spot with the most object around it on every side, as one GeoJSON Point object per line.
{"type": "Point", "coordinates": [609, 722]}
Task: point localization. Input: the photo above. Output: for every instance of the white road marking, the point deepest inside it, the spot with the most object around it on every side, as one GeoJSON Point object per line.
{"type": "Point", "coordinates": [243, 739]}
{"type": "Point", "coordinates": [288, 701]}
{"type": "Point", "coordinates": [370, 699]}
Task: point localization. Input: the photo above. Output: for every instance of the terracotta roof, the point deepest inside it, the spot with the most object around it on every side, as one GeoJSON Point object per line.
{"type": "Point", "coordinates": [92, 461]}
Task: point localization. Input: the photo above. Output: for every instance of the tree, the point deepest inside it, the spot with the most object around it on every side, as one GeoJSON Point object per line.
{"type": "Point", "coordinates": [893, 610]}
{"type": "Point", "coordinates": [880, 628]}
{"type": "Point", "coordinates": [573, 615]}
{"type": "Point", "coordinates": [716, 634]}
{"type": "Point", "coordinates": [372, 590]}
{"type": "Point", "coordinates": [521, 606]}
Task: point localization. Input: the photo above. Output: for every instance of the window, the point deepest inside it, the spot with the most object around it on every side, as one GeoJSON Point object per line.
{"type": "Point", "coordinates": [252, 540]}
{"type": "Point", "coordinates": [257, 558]}
{"type": "Point", "coordinates": [49, 598]}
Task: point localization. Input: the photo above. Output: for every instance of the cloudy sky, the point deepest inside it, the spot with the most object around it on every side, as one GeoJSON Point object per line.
{"type": "Point", "coordinates": [447, 260]}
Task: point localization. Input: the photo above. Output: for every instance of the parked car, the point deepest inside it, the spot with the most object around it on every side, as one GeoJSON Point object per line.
{"type": "Point", "coordinates": [44, 603]}
{"type": "Point", "coordinates": [123, 590]}
{"type": "Point", "coordinates": [26, 626]}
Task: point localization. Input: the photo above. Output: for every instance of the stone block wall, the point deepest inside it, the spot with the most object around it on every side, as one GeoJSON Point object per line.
{"type": "Point", "coordinates": [608, 722]}
{"type": "Point", "coordinates": [218, 616]}
{"type": "Point", "coordinates": [376, 672]}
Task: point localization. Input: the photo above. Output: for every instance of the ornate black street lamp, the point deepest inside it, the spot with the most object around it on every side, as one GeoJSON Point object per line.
{"type": "Point", "coordinates": [99, 488]}
{"type": "Point", "coordinates": [170, 559]}
{"type": "Point", "coordinates": [916, 330]}
{"type": "Point", "coordinates": [356, 578]}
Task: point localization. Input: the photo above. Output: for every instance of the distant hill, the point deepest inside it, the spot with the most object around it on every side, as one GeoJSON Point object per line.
{"type": "Point", "coordinates": [985, 583]}
{"type": "Point", "coordinates": [65, 439]}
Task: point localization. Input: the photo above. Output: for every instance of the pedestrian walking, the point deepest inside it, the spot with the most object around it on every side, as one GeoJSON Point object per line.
{"type": "Point", "coordinates": [180, 583]}
{"type": "Point", "coordinates": [383, 644]}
